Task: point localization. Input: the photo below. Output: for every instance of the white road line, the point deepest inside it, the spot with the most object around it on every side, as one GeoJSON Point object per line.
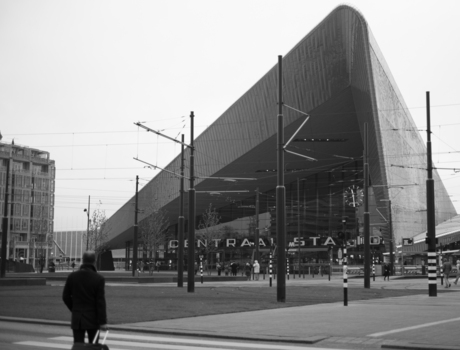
{"type": "Point", "coordinates": [51, 345]}
{"type": "Point", "coordinates": [45, 345]}
{"type": "Point", "coordinates": [205, 343]}
{"type": "Point", "coordinates": [36, 344]}
{"type": "Point", "coordinates": [380, 334]}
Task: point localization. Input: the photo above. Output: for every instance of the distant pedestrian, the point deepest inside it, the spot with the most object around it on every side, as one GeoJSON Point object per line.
{"type": "Point", "coordinates": [386, 271]}
{"type": "Point", "coordinates": [73, 266]}
{"type": "Point", "coordinates": [447, 268]}
{"type": "Point", "coordinates": [227, 269]}
{"type": "Point", "coordinates": [458, 271]}
{"type": "Point", "coordinates": [234, 268]}
{"type": "Point", "coordinates": [247, 270]}
{"type": "Point", "coordinates": [256, 270]}
{"type": "Point", "coordinates": [158, 263]}
{"type": "Point", "coordinates": [84, 296]}
{"type": "Point", "coordinates": [218, 268]}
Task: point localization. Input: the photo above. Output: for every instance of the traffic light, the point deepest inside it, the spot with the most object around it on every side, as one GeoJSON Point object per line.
{"type": "Point", "coordinates": [427, 240]}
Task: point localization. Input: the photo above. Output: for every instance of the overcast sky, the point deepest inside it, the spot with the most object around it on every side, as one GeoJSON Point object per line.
{"type": "Point", "coordinates": [76, 75]}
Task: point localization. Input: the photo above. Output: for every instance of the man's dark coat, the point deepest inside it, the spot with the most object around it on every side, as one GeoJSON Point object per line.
{"type": "Point", "coordinates": [85, 297]}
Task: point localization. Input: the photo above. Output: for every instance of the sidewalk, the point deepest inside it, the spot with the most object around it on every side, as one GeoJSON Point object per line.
{"type": "Point", "coordinates": [414, 322]}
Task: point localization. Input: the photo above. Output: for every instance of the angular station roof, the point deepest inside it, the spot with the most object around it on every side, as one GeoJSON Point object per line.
{"type": "Point", "coordinates": [337, 75]}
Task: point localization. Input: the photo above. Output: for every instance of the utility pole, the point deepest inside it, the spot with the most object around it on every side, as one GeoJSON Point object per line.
{"type": "Point", "coordinates": [392, 254]}
{"type": "Point", "coordinates": [281, 195]}
{"type": "Point", "coordinates": [430, 213]}
{"type": "Point", "coordinates": [136, 210]}
{"type": "Point", "coordinates": [367, 250]}
{"type": "Point", "coordinates": [298, 223]}
{"type": "Point", "coordinates": [5, 222]}
{"type": "Point", "coordinates": [180, 255]}
{"type": "Point", "coordinates": [256, 239]}
{"type": "Point", "coordinates": [191, 217]}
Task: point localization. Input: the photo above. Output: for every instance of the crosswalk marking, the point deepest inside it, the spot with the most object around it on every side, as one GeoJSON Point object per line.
{"type": "Point", "coordinates": [36, 344]}
{"type": "Point", "coordinates": [45, 345]}
{"type": "Point", "coordinates": [168, 343]}
{"type": "Point", "coordinates": [207, 343]}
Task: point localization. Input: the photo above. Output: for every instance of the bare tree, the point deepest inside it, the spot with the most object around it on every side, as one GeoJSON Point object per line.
{"type": "Point", "coordinates": [98, 233]}
{"type": "Point", "coordinates": [209, 231]}
{"type": "Point", "coordinates": [153, 231]}
{"type": "Point", "coordinates": [41, 233]}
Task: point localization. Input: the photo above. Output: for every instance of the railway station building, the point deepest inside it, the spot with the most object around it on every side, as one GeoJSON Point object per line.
{"type": "Point", "coordinates": [338, 76]}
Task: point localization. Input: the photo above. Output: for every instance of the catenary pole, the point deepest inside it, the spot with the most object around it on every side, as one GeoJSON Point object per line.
{"type": "Point", "coordinates": [298, 223]}
{"type": "Point", "coordinates": [256, 238]}
{"type": "Point", "coordinates": [191, 217]}
{"type": "Point", "coordinates": [430, 213]}
{"type": "Point", "coordinates": [392, 253]}
{"type": "Point", "coordinates": [180, 255]}
{"type": "Point", "coordinates": [136, 210]}
{"type": "Point", "coordinates": [281, 195]}
{"type": "Point", "coordinates": [367, 250]}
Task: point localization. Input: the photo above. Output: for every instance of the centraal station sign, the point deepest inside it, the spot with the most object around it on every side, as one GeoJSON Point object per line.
{"type": "Point", "coordinates": [249, 242]}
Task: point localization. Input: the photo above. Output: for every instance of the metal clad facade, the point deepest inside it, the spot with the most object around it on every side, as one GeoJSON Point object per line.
{"type": "Point", "coordinates": [337, 60]}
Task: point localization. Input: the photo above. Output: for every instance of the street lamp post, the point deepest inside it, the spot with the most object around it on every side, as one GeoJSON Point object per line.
{"type": "Point", "coordinates": [87, 223]}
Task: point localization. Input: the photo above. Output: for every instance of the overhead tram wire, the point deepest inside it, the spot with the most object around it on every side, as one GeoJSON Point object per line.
{"type": "Point", "coordinates": [160, 120]}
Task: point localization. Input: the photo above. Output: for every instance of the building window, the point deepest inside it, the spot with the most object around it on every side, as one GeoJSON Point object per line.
{"type": "Point", "coordinates": [26, 196]}
{"type": "Point", "coordinates": [17, 209]}
{"type": "Point", "coordinates": [25, 210]}
{"type": "Point", "coordinates": [17, 224]}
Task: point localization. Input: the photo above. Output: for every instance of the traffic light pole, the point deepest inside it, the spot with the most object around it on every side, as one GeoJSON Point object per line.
{"type": "Point", "coordinates": [431, 225]}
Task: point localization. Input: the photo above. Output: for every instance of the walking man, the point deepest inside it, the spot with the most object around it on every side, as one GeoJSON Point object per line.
{"type": "Point", "coordinates": [256, 269]}
{"type": "Point", "coordinates": [447, 267]}
{"type": "Point", "coordinates": [458, 271]}
{"type": "Point", "coordinates": [386, 271]}
{"type": "Point", "coordinates": [84, 296]}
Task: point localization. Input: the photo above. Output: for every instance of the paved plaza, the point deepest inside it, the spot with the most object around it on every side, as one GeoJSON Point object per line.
{"type": "Point", "coordinates": [411, 322]}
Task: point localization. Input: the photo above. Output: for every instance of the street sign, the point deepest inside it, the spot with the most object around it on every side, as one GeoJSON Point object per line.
{"type": "Point", "coordinates": [375, 240]}
{"type": "Point", "coordinates": [407, 241]}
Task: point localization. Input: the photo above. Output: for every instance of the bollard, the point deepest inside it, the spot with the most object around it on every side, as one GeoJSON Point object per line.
{"type": "Point", "coordinates": [201, 270]}
{"type": "Point", "coordinates": [373, 268]}
{"type": "Point", "coordinates": [345, 279]}
{"type": "Point", "coordinates": [441, 270]}
{"type": "Point", "coordinates": [287, 268]}
{"type": "Point", "coordinates": [270, 269]}
{"type": "Point", "coordinates": [432, 274]}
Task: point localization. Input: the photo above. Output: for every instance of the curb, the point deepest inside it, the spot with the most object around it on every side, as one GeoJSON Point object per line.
{"type": "Point", "coordinates": [268, 338]}
{"type": "Point", "coordinates": [410, 346]}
